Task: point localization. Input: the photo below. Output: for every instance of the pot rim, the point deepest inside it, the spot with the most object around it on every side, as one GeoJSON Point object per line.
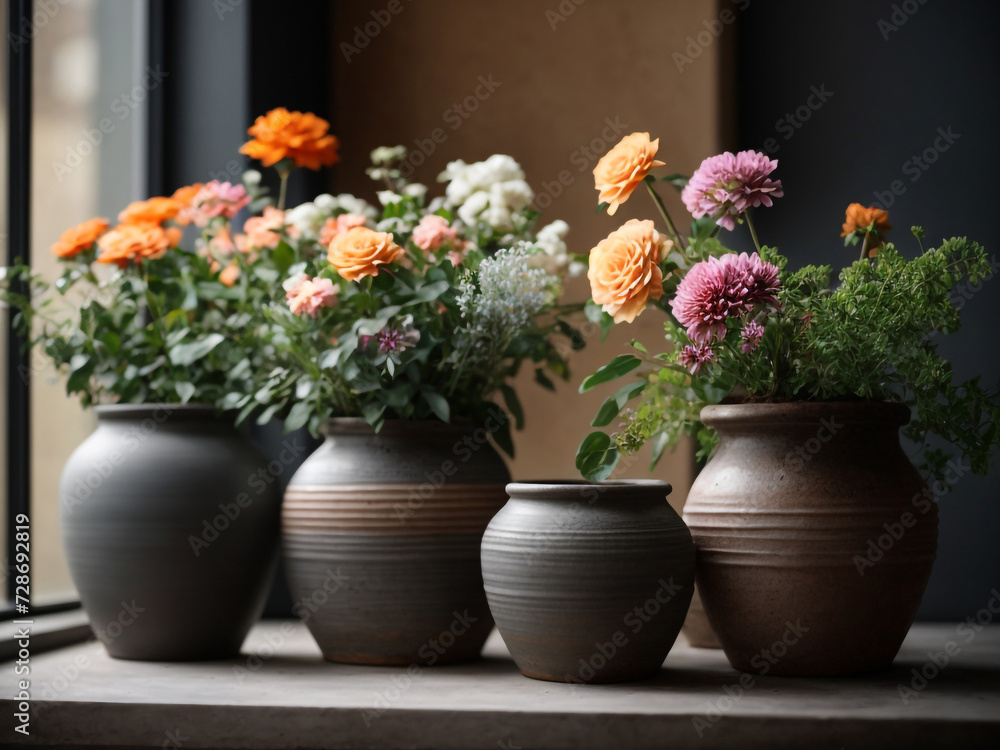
{"type": "Point", "coordinates": [106, 412]}
{"type": "Point", "coordinates": [575, 489]}
{"type": "Point", "coordinates": [358, 426]}
{"type": "Point", "coordinates": [885, 413]}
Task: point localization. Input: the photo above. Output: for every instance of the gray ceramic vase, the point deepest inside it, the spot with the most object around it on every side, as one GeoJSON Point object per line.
{"type": "Point", "coordinates": [588, 582]}
{"type": "Point", "coordinates": [381, 541]}
{"type": "Point", "coordinates": [171, 531]}
{"type": "Point", "coordinates": [815, 536]}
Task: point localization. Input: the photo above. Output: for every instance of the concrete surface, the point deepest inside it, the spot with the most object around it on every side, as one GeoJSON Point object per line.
{"type": "Point", "coordinates": [279, 694]}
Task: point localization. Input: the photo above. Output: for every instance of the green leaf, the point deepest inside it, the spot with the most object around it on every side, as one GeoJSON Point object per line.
{"type": "Point", "coordinates": [430, 292]}
{"type": "Point", "coordinates": [513, 405]}
{"type": "Point", "coordinates": [502, 437]}
{"type": "Point", "coordinates": [679, 181]}
{"type": "Point", "coordinates": [438, 404]}
{"type": "Point", "coordinates": [543, 380]}
{"type": "Point", "coordinates": [596, 457]}
{"type": "Point", "coordinates": [283, 256]}
{"type": "Point", "coordinates": [185, 390]}
{"type": "Point", "coordinates": [80, 369]}
{"type": "Point", "coordinates": [186, 354]}
{"type": "Point", "coordinates": [660, 443]}
{"type": "Point", "coordinates": [298, 416]}
{"type": "Point", "coordinates": [620, 365]}
{"type": "Point", "coordinates": [613, 405]}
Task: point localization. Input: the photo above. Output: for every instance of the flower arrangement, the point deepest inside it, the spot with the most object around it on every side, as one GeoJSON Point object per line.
{"type": "Point", "coordinates": [745, 328]}
{"type": "Point", "coordinates": [137, 317]}
{"type": "Point", "coordinates": [424, 309]}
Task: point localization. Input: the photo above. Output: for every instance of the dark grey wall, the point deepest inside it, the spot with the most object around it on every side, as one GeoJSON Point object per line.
{"type": "Point", "coordinates": [894, 76]}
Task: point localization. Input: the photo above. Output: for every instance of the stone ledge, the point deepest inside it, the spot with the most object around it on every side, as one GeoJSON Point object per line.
{"type": "Point", "coordinates": [284, 696]}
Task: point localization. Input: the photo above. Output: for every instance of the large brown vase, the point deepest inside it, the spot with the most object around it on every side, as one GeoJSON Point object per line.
{"type": "Point", "coordinates": [815, 536]}
{"type": "Point", "coordinates": [381, 541]}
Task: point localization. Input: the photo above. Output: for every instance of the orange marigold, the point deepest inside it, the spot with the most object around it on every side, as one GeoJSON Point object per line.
{"type": "Point", "coordinates": [859, 217]}
{"type": "Point", "coordinates": [300, 136]}
{"type": "Point", "coordinates": [152, 211]}
{"type": "Point", "coordinates": [133, 242]}
{"type": "Point", "coordinates": [82, 237]}
{"type": "Point", "coordinates": [187, 193]}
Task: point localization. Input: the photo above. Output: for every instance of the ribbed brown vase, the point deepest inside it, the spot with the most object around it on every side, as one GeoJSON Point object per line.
{"type": "Point", "coordinates": [815, 536]}
{"type": "Point", "coordinates": [381, 541]}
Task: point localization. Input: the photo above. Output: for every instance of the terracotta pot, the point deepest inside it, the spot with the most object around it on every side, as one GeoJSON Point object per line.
{"type": "Point", "coordinates": [381, 541]}
{"type": "Point", "coordinates": [815, 536]}
{"type": "Point", "coordinates": [588, 582]}
{"type": "Point", "coordinates": [170, 534]}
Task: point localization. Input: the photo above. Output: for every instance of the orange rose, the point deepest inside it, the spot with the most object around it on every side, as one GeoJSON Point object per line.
{"type": "Point", "coordinates": [360, 252]}
{"type": "Point", "coordinates": [859, 217]}
{"type": "Point", "coordinates": [133, 242]}
{"type": "Point", "coordinates": [186, 194]}
{"type": "Point", "coordinates": [620, 171]}
{"type": "Point", "coordinates": [623, 269]}
{"type": "Point", "coordinates": [152, 211]}
{"type": "Point", "coordinates": [299, 136]}
{"type": "Point", "coordinates": [229, 274]}
{"type": "Point", "coordinates": [81, 237]}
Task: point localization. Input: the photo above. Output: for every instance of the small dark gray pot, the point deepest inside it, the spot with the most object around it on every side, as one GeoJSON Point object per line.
{"type": "Point", "coordinates": [170, 519]}
{"type": "Point", "coordinates": [588, 582]}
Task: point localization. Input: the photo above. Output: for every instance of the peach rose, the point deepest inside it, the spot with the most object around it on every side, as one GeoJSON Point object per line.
{"type": "Point", "coordinates": [620, 171]}
{"type": "Point", "coordinates": [82, 237]}
{"type": "Point", "coordinates": [334, 227]}
{"type": "Point", "coordinates": [360, 252]}
{"type": "Point", "coordinates": [229, 274]}
{"type": "Point", "coordinates": [623, 269]}
{"type": "Point", "coordinates": [306, 296]}
{"type": "Point", "coordinates": [136, 241]}
{"type": "Point", "coordinates": [260, 230]}
{"type": "Point", "coordinates": [299, 136]}
{"type": "Point", "coordinates": [152, 211]}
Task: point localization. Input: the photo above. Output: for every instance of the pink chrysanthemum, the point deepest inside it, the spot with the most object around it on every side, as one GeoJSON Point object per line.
{"type": "Point", "coordinates": [726, 185]}
{"type": "Point", "coordinates": [720, 288]}
{"type": "Point", "coordinates": [695, 357]}
{"type": "Point", "coordinates": [752, 333]}
{"type": "Point", "coordinates": [216, 199]}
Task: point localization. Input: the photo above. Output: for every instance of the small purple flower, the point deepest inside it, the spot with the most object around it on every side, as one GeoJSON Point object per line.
{"type": "Point", "coordinates": [695, 357]}
{"type": "Point", "coordinates": [393, 340]}
{"type": "Point", "coordinates": [752, 333]}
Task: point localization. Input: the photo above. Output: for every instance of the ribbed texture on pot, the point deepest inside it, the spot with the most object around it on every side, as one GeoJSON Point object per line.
{"type": "Point", "coordinates": [381, 541]}
{"type": "Point", "coordinates": [813, 531]}
{"type": "Point", "coordinates": [588, 588]}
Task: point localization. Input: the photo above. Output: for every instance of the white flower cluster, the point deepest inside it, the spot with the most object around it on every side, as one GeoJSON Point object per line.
{"type": "Point", "coordinates": [511, 294]}
{"type": "Point", "coordinates": [552, 253]}
{"type": "Point", "coordinates": [490, 191]}
{"type": "Point", "coordinates": [308, 218]}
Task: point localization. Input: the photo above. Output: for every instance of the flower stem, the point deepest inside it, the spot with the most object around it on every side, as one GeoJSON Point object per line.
{"type": "Point", "coordinates": [283, 192]}
{"type": "Point", "coordinates": [666, 217]}
{"type": "Point", "coordinates": [753, 231]}
{"type": "Point", "coordinates": [864, 247]}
